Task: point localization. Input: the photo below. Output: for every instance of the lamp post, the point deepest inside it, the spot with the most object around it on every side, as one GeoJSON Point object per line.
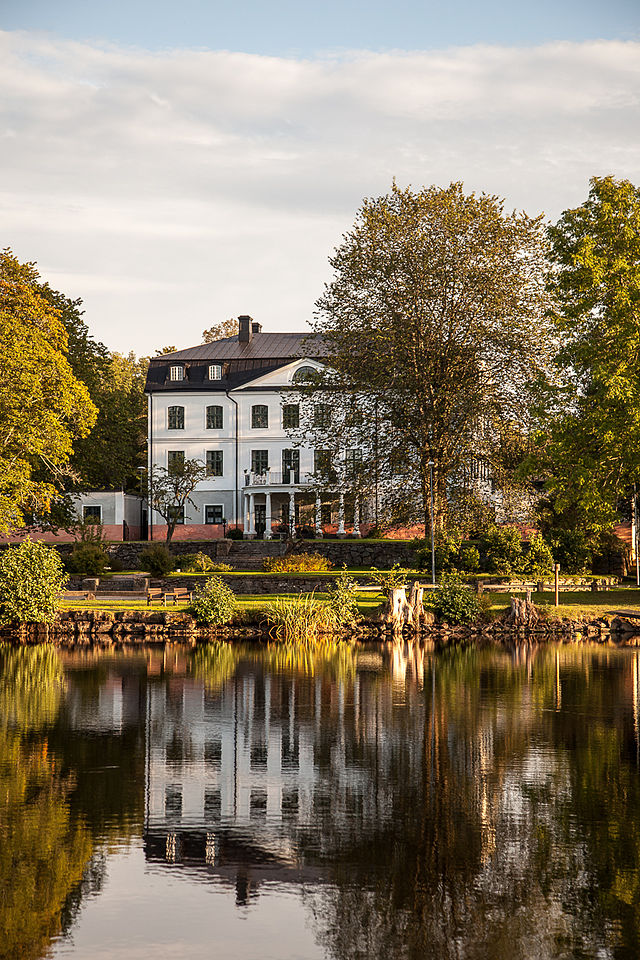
{"type": "Point", "coordinates": [433, 547]}
{"type": "Point", "coordinates": [141, 471]}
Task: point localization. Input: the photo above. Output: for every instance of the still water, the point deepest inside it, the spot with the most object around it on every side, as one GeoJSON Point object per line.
{"type": "Point", "coordinates": [367, 801]}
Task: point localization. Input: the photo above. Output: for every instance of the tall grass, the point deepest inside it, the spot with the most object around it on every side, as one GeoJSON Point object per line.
{"type": "Point", "coordinates": [301, 617]}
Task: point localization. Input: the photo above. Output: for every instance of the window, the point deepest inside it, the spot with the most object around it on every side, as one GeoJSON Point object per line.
{"type": "Point", "coordinates": [259, 461]}
{"type": "Point", "coordinates": [213, 513]}
{"type": "Point", "coordinates": [176, 513]}
{"type": "Point", "coordinates": [290, 415]}
{"type": "Point", "coordinates": [214, 418]}
{"type": "Point", "coordinates": [176, 373]}
{"type": "Point", "coordinates": [214, 463]}
{"type": "Point", "coordinates": [92, 513]}
{"type": "Point", "coordinates": [215, 371]}
{"type": "Point", "coordinates": [175, 418]}
{"type": "Point", "coordinates": [291, 466]}
{"type": "Point", "coordinates": [322, 415]}
{"type": "Point", "coordinates": [259, 416]}
{"type": "Point", "coordinates": [304, 373]}
{"type": "Point", "coordinates": [323, 465]}
{"type": "Point", "coordinates": [352, 462]}
{"type": "Point", "coordinates": [175, 460]}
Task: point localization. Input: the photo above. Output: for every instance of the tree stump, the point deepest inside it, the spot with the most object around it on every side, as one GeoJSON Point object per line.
{"type": "Point", "coordinates": [523, 613]}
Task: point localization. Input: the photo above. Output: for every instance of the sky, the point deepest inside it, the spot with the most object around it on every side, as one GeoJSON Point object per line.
{"type": "Point", "coordinates": [175, 164]}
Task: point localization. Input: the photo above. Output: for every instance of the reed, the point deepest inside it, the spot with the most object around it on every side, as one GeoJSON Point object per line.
{"type": "Point", "coordinates": [299, 618]}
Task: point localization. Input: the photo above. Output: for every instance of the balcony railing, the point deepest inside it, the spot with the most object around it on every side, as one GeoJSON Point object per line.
{"type": "Point", "coordinates": [275, 478]}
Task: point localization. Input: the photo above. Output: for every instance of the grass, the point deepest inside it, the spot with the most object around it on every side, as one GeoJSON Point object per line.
{"type": "Point", "coordinates": [368, 603]}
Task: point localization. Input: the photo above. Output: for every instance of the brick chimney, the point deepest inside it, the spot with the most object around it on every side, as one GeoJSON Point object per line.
{"type": "Point", "coordinates": [245, 332]}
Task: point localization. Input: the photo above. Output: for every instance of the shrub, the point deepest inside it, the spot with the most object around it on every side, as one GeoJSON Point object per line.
{"type": "Point", "coordinates": [300, 617]}
{"type": "Point", "coordinates": [571, 550]}
{"type": "Point", "coordinates": [88, 531]}
{"type": "Point", "coordinates": [201, 563]}
{"type": "Point", "coordinates": [502, 548]}
{"type": "Point", "coordinates": [87, 558]}
{"type": "Point", "coordinates": [235, 534]}
{"type": "Point", "coordinates": [453, 602]}
{"type": "Point", "coordinates": [308, 533]}
{"type": "Point", "coordinates": [157, 560]}
{"type": "Point", "coordinates": [538, 561]}
{"type": "Point", "coordinates": [32, 579]}
{"type": "Point", "coordinates": [395, 577]}
{"type": "Point", "coordinates": [115, 564]}
{"type": "Point", "coordinates": [469, 559]}
{"type": "Point", "coordinates": [214, 602]}
{"type": "Point", "coordinates": [342, 600]}
{"type": "Point", "coordinates": [297, 563]}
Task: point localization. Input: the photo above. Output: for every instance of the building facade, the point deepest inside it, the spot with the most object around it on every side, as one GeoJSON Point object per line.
{"type": "Point", "coordinates": [229, 404]}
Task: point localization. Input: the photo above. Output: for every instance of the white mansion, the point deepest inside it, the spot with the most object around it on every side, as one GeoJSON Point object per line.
{"type": "Point", "coordinates": [226, 404]}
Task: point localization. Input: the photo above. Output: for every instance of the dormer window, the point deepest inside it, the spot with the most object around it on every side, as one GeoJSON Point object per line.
{"type": "Point", "coordinates": [215, 371]}
{"type": "Point", "coordinates": [304, 374]}
{"type": "Point", "coordinates": [176, 373]}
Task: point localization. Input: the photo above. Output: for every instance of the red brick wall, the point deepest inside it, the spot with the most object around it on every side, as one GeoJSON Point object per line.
{"type": "Point", "coordinates": [111, 532]}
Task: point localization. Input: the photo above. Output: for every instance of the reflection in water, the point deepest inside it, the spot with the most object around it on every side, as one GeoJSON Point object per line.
{"type": "Point", "coordinates": [473, 803]}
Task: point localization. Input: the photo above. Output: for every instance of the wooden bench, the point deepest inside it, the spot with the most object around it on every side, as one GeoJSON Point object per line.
{"type": "Point", "coordinates": [155, 595]}
{"type": "Point", "coordinates": [179, 595]}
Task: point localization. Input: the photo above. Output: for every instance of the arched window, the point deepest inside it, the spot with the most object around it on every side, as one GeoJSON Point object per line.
{"type": "Point", "coordinates": [175, 418]}
{"type": "Point", "coordinates": [214, 417]}
{"type": "Point", "coordinates": [304, 374]}
{"type": "Point", "coordinates": [259, 416]}
{"type": "Point", "coordinates": [215, 371]}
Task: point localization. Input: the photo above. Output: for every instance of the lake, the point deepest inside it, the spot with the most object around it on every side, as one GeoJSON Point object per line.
{"type": "Point", "coordinates": [340, 801]}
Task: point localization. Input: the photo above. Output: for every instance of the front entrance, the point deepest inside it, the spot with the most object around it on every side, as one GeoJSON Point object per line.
{"type": "Point", "coordinates": [260, 519]}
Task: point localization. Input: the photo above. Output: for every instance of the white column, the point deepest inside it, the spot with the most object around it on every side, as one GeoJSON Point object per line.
{"type": "Point", "coordinates": [318, 516]}
{"type": "Point", "coordinates": [356, 517]}
{"type": "Point", "coordinates": [267, 510]}
{"type": "Point", "coordinates": [341, 516]}
{"type": "Point", "coordinates": [292, 515]}
{"type": "Point", "coordinates": [245, 513]}
{"type": "Point", "coordinates": [252, 515]}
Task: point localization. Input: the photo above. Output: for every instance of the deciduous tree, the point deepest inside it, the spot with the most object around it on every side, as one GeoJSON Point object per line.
{"type": "Point", "coordinates": [435, 315]}
{"type": "Point", "coordinates": [171, 490]}
{"type": "Point", "coordinates": [593, 448]}
{"type": "Point", "coordinates": [44, 408]}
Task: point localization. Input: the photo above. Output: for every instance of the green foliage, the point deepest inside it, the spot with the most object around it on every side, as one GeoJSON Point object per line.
{"type": "Point", "coordinates": [571, 550]}
{"type": "Point", "coordinates": [395, 577]}
{"type": "Point", "coordinates": [297, 563]}
{"type": "Point", "coordinates": [88, 558]}
{"type": "Point", "coordinates": [201, 563]}
{"type": "Point", "coordinates": [89, 532]}
{"type": "Point", "coordinates": [592, 451]}
{"type": "Point", "coordinates": [538, 561]}
{"type": "Point", "coordinates": [342, 600]}
{"type": "Point", "coordinates": [233, 533]}
{"type": "Point", "coordinates": [453, 602]}
{"type": "Point", "coordinates": [214, 602]}
{"type": "Point", "coordinates": [435, 294]}
{"type": "Point", "coordinates": [469, 559]}
{"type": "Point", "coordinates": [32, 579]}
{"type": "Point", "coordinates": [43, 406]}
{"type": "Point", "coordinates": [157, 560]}
{"type": "Point", "coordinates": [502, 550]}
{"type": "Point", "coordinates": [299, 618]}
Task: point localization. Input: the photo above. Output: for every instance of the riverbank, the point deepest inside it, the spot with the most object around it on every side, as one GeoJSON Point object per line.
{"type": "Point", "coordinates": [162, 626]}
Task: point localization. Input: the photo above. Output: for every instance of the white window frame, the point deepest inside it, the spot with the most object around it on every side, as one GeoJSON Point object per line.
{"type": "Point", "coordinates": [204, 513]}
{"type": "Point", "coordinates": [206, 424]}
{"type": "Point", "coordinates": [176, 372]}
{"type": "Point", "coordinates": [175, 406]}
{"type": "Point", "coordinates": [93, 507]}
{"type": "Point", "coordinates": [215, 371]}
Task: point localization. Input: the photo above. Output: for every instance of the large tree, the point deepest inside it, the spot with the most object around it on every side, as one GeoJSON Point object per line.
{"type": "Point", "coordinates": [44, 408]}
{"type": "Point", "coordinates": [593, 444]}
{"type": "Point", "coordinates": [435, 315]}
{"type": "Point", "coordinates": [171, 489]}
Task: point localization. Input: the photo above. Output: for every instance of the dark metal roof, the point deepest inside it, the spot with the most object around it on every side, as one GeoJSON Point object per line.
{"type": "Point", "coordinates": [241, 362]}
{"type": "Point", "coordinates": [262, 345]}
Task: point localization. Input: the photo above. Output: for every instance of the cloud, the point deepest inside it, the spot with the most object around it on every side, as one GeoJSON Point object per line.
{"type": "Point", "coordinates": [171, 190]}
